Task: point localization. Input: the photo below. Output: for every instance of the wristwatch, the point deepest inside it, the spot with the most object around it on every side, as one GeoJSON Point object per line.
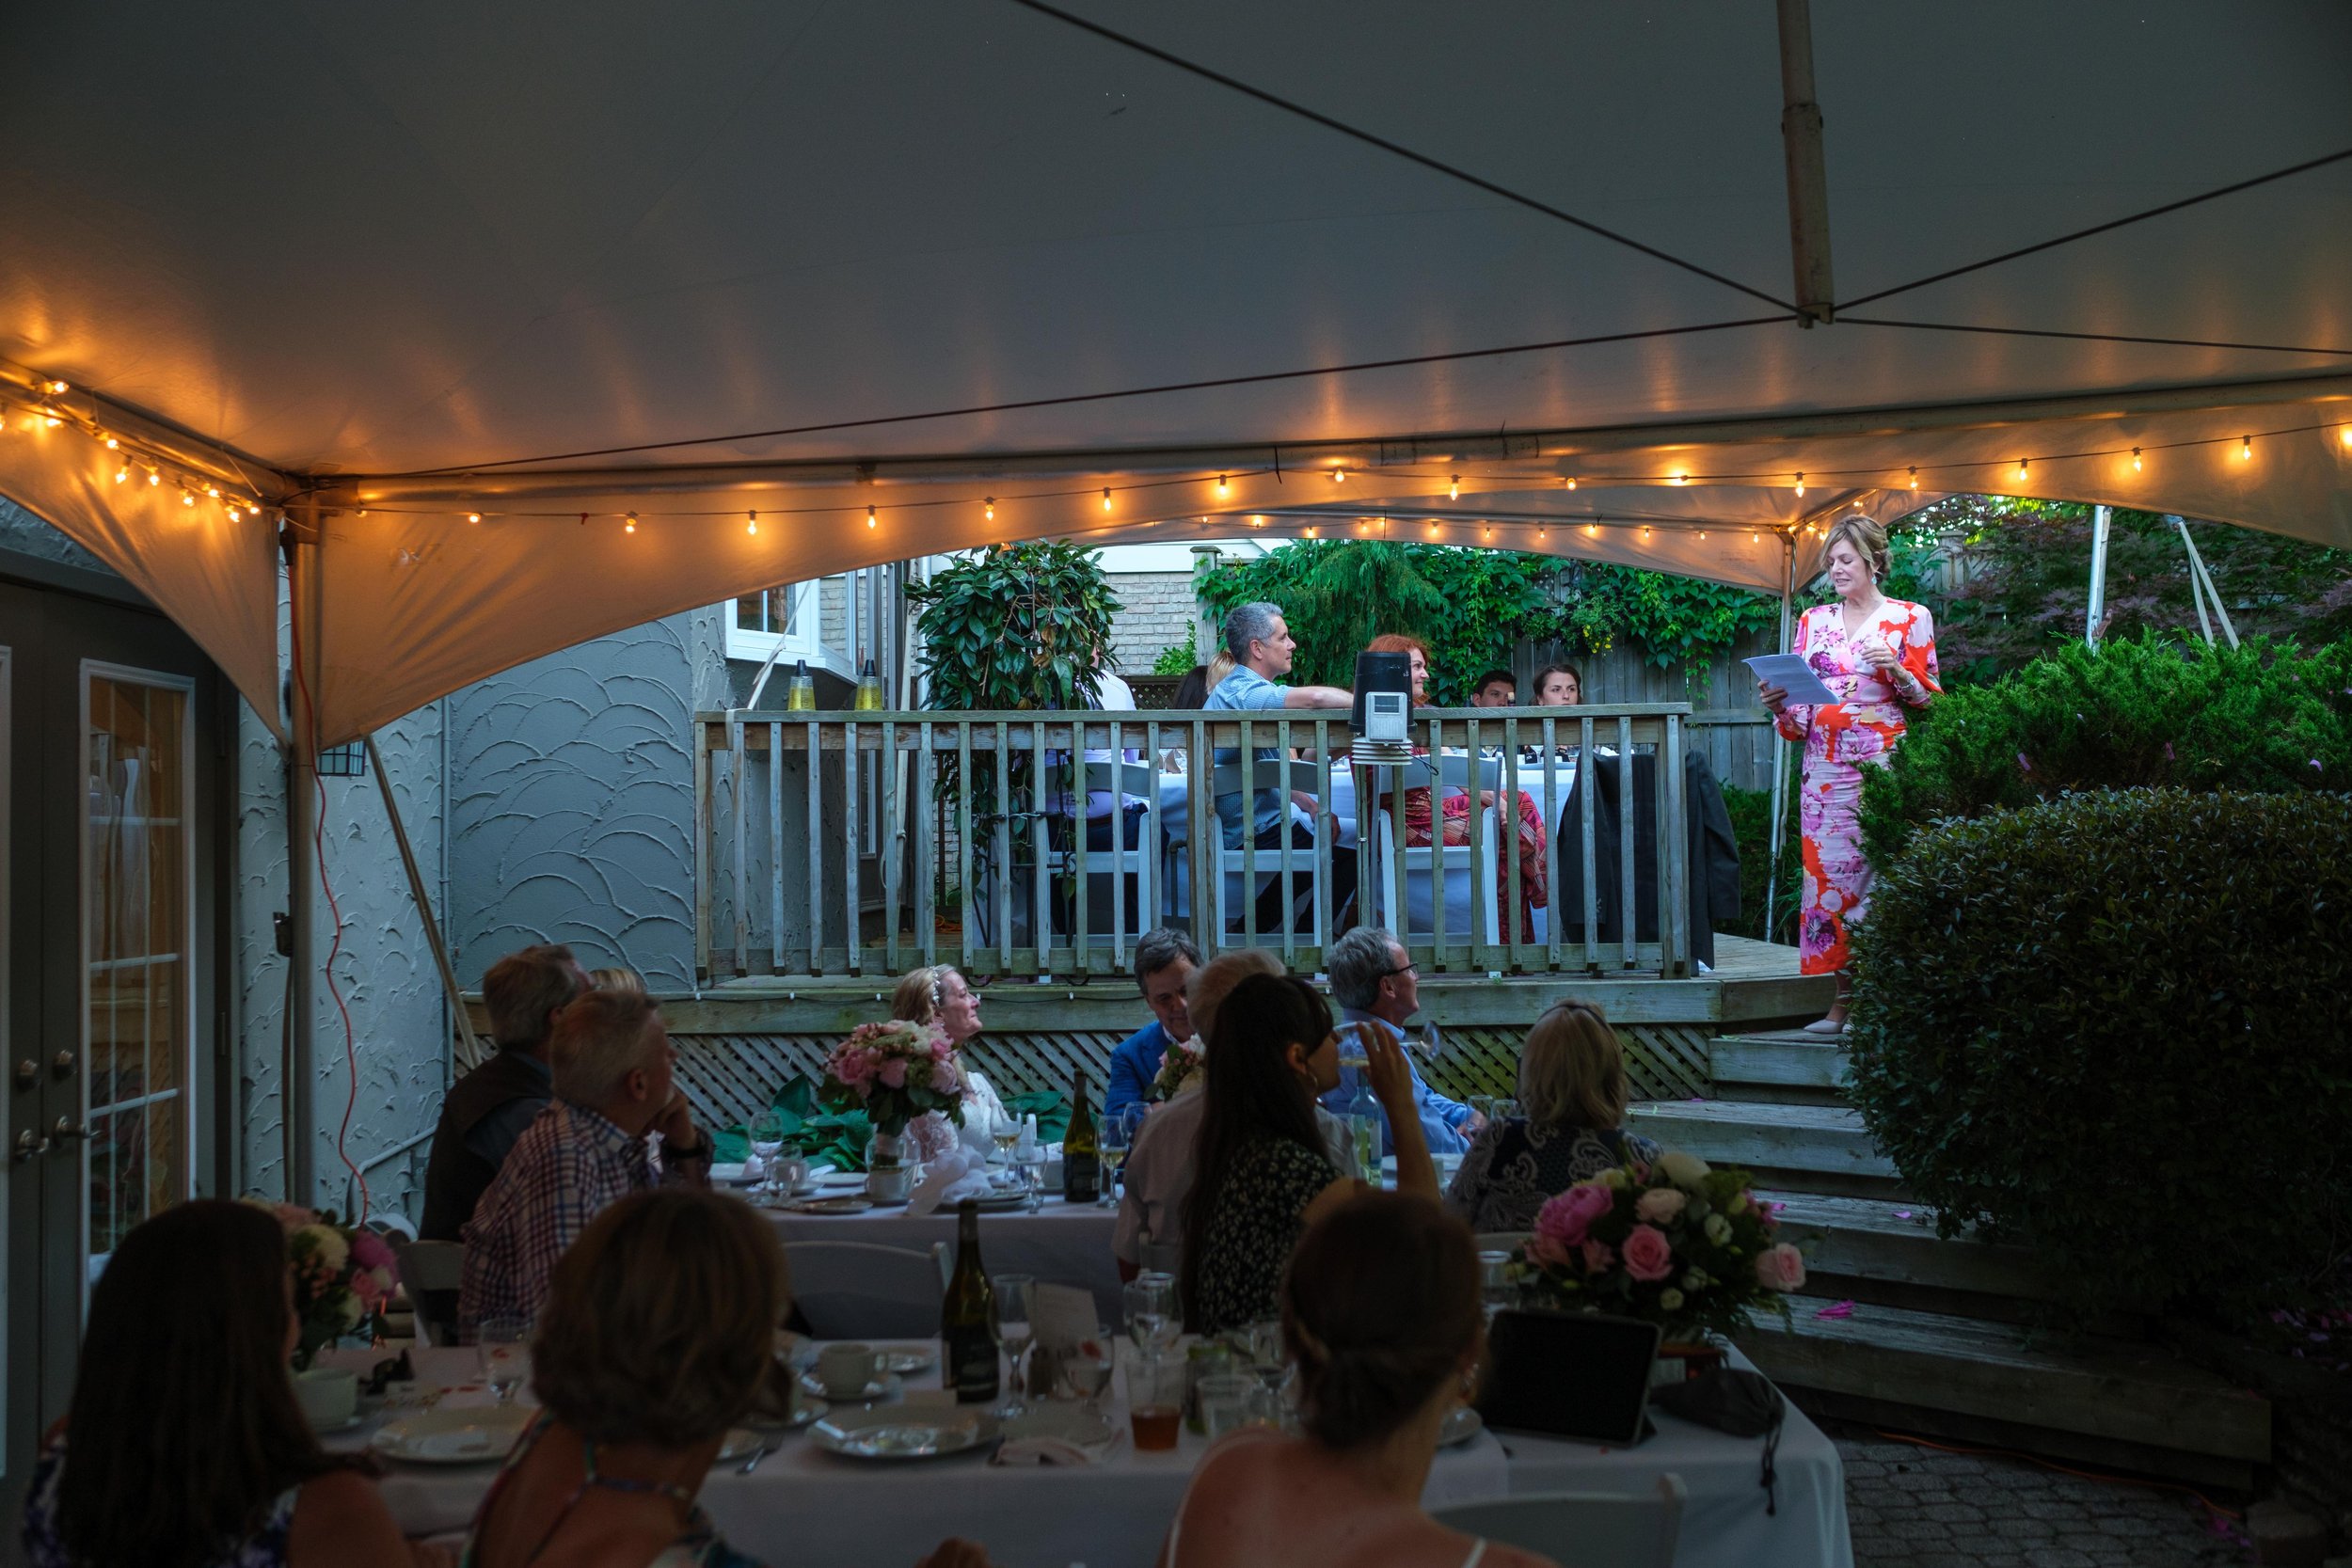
{"type": "Point", "coordinates": [671, 1151]}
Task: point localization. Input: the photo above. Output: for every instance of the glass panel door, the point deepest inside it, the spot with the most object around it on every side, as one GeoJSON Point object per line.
{"type": "Point", "coordinates": [137, 1009]}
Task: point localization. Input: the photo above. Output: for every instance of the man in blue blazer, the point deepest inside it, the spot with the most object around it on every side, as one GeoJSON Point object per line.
{"type": "Point", "coordinates": [1165, 960]}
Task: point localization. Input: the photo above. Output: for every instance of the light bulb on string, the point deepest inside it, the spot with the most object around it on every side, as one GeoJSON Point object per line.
{"type": "Point", "coordinates": [870, 520]}
{"type": "Point", "coordinates": [1486, 534]}
{"type": "Point", "coordinates": [1223, 488]}
{"type": "Point", "coordinates": [2245, 449]}
{"type": "Point", "coordinates": [1542, 534]}
{"type": "Point", "coordinates": [1107, 497]}
{"type": "Point", "coordinates": [987, 509]}
{"type": "Point", "coordinates": [52, 417]}
{"type": "Point", "coordinates": [1592, 530]}
{"type": "Point", "coordinates": [1702, 533]}
{"type": "Point", "coordinates": [153, 477]}
{"type": "Point", "coordinates": [1800, 484]}
{"type": "Point", "coordinates": [1454, 491]}
{"type": "Point", "coordinates": [1682, 477]}
{"type": "Point", "coordinates": [122, 474]}
{"type": "Point", "coordinates": [1313, 532]}
{"type": "Point", "coordinates": [628, 523]}
{"type": "Point", "coordinates": [1645, 533]}
{"type": "Point", "coordinates": [2136, 464]}
{"type": "Point", "coordinates": [212, 489]}
{"type": "Point", "coordinates": [187, 498]}
{"type": "Point", "coordinates": [56, 387]}
{"type": "Point", "coordinates": [112, 445]}
{"type": "Point", "coordinates": [1571, 482]}
{"type": "Point", "coordinates": [2344, 433]}
{"type": "Point", "coordinates": [2023, 465]}
{"type": "Point", "coordinates": [1914, 482]}
{"type": "Point", "coordinates": [751, 522]}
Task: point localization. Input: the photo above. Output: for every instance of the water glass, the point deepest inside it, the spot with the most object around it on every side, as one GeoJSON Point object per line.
{"type": "Point", "coordinates": [1008, 1319]}
{"type": "Point", "coordinates": [1495, 1290]}
{"type": "Point", "coordinates": [1152, 1322]}
{"type": "Point", "coordinates": [1155, 1400]}
{"type": "Point", "coordinates": [767, 1139]}
{"type": "Point", "coordinates": [1228, 1402]}
{"type": "Point", "coordinates": [1085, 1370]}
{"type": "Point", "coordinates": [503, 1345]}
{"type": "Point", "coordinates": [1352, 1051]}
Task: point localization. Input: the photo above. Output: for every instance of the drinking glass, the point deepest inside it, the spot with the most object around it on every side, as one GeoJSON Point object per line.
{"type": "Point", "coordinates": [1032, 1162]}
{"type": "Point", "coordinates": [1008, 1319]}
{"type": "Point", "coordinates": [1117, 1136]}
{"type": "Point", "coordinates": [1484, 1104]}
{"type": "Point", "coordinates": [767, 1136]}
{"type": "Point", "coordinates": [503, 1345]}
{"type": "Point", "coordinates": [1152, 1319]}
{"type": "Point", "coordinates": [1226, 1401]}
{"type": "Point", "coordinates": [1085, 1370]}
{"type": "Point", "coordinates": [1352, 1053]}
{"type": "Point", "coordinates": [1005, 1132]}
{"type": "Point", "coordinates": [1495, 1291]}
{"type": "Point", "coordinates": [1155, 1400]}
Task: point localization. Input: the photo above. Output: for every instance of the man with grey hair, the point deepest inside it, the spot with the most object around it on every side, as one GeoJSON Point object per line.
{"type": "Point", "coordinates": [1260, 640]}
{"type": "Point", "coordinates": [1165, 961]}
{"type": "Point", "coordinates": [1374, 982]}
{"type": "Point", "coordinates": [615, 1091]}
{"type": "Point", "coordinates": [485, 1113]}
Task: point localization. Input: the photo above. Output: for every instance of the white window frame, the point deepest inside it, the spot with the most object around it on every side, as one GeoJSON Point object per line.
{"type": "Point", "coordinates": [744, 643]}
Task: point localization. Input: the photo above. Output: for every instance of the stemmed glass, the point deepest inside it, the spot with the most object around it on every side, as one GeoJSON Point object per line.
{"type": "Point", "coordinates": [1151, 1318]}
{"type": "Point", "coordinates": [1117, 1136]}
{"type": "Point", "coordinates": [1005, 1132]}
{"type": "Point", "coordinates": [1008, 1319]}
{"type": "Point", "coordinates": [767, 1138]}
{"type": "Point", "coordinates": [1087, 1371]}
{"type": "Point", "coordinates": [503, 1345]}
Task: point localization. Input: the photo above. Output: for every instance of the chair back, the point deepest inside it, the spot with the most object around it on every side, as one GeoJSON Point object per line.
{"type": "Point", "coordinates": [858, 1291]}
{"type": "Point", "coordinates": [1123, 778]}
{"type": "Point", "coordinates": [429, 1274]}
{"type": "Point", "coordinates": [1308, 778]}
{"type": "Point", "coordinates": [1591, 1530]}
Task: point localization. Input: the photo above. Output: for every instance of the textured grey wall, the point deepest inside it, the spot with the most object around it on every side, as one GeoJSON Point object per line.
{"type": "Point", "coordinates": [27, 534]}
{"type": "Point", "coordinates": [572, 800]}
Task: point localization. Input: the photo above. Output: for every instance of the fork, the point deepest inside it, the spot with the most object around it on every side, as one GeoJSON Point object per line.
{"type": "Point", "coordinates": [752, 1463]}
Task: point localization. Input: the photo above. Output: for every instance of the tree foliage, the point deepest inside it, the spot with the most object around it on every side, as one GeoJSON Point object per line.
{"type": "Point", "coordinates": [1015, 627]}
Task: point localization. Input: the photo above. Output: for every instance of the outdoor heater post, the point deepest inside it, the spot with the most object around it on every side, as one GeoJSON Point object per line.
{"type": "Point", "coordinates": [1780, 745]}
{"type": "Point", "coordinates": [300, 540]}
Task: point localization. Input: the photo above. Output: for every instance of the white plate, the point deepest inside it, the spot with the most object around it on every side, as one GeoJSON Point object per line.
{"type": "Point", "coordinates": [841, 1178]}
{"type": "Point", "coordinates": [1460, 1426]}
{"type": "Point", "coordinates": [903, 1431]}
{"type": "Point", "coordinates": [846, 1203]}
{"type": "Point", "coordinates": [345, 1425]}
{"type": "Point", "coordinates": [912, 1355]}
{"type": "Point", "coordinates": [885, 1387]}
{"type": "Point", "coordinates": [481, 1436]}
{"type": "Point", "coordinates": [1001, 1203]}
{"type": "Point", "coordinates": [739, 1443]}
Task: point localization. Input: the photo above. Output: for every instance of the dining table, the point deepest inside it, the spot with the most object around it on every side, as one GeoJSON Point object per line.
{"type": "Point", "coordinates": [1060, 1242]}
{"type": "Point", "coordinates": [803, 1507]}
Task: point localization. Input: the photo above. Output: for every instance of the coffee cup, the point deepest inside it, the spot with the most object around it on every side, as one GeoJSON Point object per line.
{"type": "Point", "coordinates": [846, 1372]}
{"type": "Point", "coordinates": [329, 1396]}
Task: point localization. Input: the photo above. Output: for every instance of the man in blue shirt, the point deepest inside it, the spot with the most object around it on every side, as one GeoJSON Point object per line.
{"type": "Point", "coordinates": [1374, 983]}
{"type": "Point", "coordinates": [1260, 644]}
{"type": "Point", "coordinates": [1165, 960]}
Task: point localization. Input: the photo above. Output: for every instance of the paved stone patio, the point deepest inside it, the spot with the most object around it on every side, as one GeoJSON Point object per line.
{"type": "Point", "coordinates": [1916, 1508]}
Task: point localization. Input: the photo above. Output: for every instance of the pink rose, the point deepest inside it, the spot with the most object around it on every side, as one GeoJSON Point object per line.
{"type": "Point", "coordinates": [1661, 1206]}
{"type": "Point", "coordinates": [1568, 1217]}
{"type": "Point", "coordinates": [1648, 1256]}
{"type": "Point", "coordinates": [369, 1251]}
{"type": "Point", "coordinates": [1542, 1249]}
{"type": "Point", "coordinates": [1598, 1256]}
{"type": "Point", "coordinates": [1780, 1267]}
{"type": "Point", "coordinates": [945, 1077]}
{"type": "Point", "coordinates": [893, 1073]}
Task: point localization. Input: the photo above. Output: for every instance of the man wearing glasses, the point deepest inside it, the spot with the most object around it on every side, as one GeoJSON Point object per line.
{"type": "Point", "coordinates": [1374, 983]}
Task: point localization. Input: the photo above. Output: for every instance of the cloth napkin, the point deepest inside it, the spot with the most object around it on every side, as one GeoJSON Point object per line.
{"type": "Point", "coordinates": [1040, 1450]}
{"type": "Point", "coordinates": [949, 1178]}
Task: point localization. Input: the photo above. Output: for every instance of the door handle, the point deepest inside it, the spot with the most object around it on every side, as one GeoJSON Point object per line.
{"type": "Point", "coordinates": [29, 1144]}
{"type": "Point", "coordinates": [67, 1130]}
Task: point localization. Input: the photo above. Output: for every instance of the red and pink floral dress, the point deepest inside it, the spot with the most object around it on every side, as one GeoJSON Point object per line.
{"type": "Point", "coordinates": [1840, 738]}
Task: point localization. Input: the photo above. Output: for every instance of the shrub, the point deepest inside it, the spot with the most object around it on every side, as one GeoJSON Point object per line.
{"type": "Point", "coordinates": [2151, 711]}
{"type": "Point", "coordinates": [1751, 813]}
{"type": "Point", "coordinates": [2113, 1027]}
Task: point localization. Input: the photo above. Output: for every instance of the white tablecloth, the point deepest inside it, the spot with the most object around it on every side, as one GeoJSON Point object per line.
{"type": "Point", "coordinates": [807, 1509]}
{"type": "Point", "coordinates": [1058, 1243]}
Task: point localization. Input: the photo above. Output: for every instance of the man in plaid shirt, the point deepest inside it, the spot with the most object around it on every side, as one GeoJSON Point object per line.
{"type": "Point", "coordinates": [614, 1091]}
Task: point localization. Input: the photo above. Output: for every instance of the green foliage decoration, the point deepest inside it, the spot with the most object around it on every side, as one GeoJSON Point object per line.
{"type": "Point", "coordinates": [838, 1138]}
{"type": "Point", "coordinates": [2112, 1027]}
{"type": "Point", "coordinates": [1174, 660]}
{"type": "Point", "coordinates": [2150, 711]}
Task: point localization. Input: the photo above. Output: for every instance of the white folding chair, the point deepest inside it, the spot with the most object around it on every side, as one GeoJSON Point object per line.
{"type": "Point", "coordinates": [433, 1267]}
{"type": "Point", "coordinates": [1232, 865]}
{"type": "Point", "coordinates": [1591, 1530]}
{"type": "Point", "coordinates": [858, 1291]}
{"type": "Point", "coordinates": [1411, 880]}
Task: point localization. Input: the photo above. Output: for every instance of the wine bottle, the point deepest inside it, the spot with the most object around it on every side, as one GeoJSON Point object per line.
{"type": "Point", "coordinates": [1081, 1151]}
{"type": "Point", "coordinates": [969, 1367]}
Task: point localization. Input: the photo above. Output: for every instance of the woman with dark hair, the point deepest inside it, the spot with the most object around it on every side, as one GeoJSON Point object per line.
{"type": "Point", "coordinates": [184, 1447]}
{"type": "Point", "coordinates": [1380, 1313]}
{"type": "Point", "coordinates": [1260, 1171]}
{"type": "Point", "coordinates": [1559, 686]}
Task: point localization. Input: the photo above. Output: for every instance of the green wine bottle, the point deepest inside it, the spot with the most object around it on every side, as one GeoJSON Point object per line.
{"type": "Point", "coordinates": [969, 1366]}
{"type": "Point", "coordinates": [1081, 1151]}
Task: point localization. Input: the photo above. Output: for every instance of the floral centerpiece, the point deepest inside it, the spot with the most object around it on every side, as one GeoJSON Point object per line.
{"type": "Point", "coordinates": [342, 1277]}
{"type": "Point", "coordinates": [1180, 1068]}
{"type": "Point", "coordinates": [895, 1071]}
{"type": "Point", "coordinates": [1678, 1243]}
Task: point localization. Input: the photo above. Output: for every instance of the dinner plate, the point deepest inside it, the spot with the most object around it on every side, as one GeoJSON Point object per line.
{"type": "Point", "coordinates": [883, 1387]}
{"type": "Point", "coordinates": [1460, 1426]}
{"type": "Point", "coordinates": [911, 1357]}
{"type": "Point", "coordinates": [1001, 1203]}
{"type": "Point", "coordinates": [481, 1436]}
{"type": "Point", "coordinates": [841, 1178]}
{"type": "Point", "coordinates": [739, 1443]}
{"type": "Point", "coordinates": [903, 1431]}
{"type": "Point", "coordinates": [830, 1205]}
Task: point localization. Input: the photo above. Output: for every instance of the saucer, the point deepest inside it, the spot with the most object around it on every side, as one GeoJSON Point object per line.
{"type": "Point", "coordinates": [883, 1387]}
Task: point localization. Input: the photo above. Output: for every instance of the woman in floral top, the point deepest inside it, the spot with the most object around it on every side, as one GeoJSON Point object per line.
{"type": "Point", "coordinates": [1877, 656]}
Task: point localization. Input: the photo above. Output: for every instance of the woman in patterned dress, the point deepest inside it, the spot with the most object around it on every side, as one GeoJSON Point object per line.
{"type": "Point", "coordinates": [1573, 1091]}
{"type": "Point", "coordinates": [1877, 656]}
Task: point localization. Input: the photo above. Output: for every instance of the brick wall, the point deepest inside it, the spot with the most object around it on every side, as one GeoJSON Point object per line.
{"type": "Point", "coordinates": [1157, 611]}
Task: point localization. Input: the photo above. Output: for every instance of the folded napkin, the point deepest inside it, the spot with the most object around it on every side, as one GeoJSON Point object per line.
{"type": "Point", "coordinates": [1040, 1450]}
{"type": "Point", "coordinates": [949, 1178]}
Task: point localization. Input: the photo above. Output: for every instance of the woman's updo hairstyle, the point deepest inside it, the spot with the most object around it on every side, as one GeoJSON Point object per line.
{"type": "Point", "coordinates": [1379, 1308]}
{"type": "Point", "coordinates": [1868, 539]}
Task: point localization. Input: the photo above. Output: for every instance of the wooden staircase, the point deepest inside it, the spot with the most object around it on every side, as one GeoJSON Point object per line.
{"type": "Point", "coordinates": [1934, 1341]}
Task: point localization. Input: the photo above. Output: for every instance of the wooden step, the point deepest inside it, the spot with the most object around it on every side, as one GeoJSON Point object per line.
{"type": "Point", "coordinates": [2136, 1396]}
{"type": "Point", "coordinates": [1884, 1241]}
{"type": "Point", "coordinates": [1787, 1060]}
{"type": "Point", "coordinates": [1809, 1148]}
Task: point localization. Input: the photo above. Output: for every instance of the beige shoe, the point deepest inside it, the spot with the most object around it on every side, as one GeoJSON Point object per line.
{"type": "Point", "coordinates": [1824, 1026]}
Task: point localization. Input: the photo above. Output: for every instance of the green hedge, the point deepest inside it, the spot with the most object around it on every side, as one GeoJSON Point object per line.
{"type": "Point", "coordinates": [2118, 1027]}
{"type": "Point", "coordinates": [1751, 813]}
{"type": "Point", "coordinates": [2155, 712]}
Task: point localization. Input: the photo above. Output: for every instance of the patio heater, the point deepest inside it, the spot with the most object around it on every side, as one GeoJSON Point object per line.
{"type": "Point", "coordinates": [1383, 710]}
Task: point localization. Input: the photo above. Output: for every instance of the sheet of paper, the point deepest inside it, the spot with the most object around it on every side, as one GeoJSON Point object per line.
{"type": "Point", "coordinates": [1061, 1316]}
{"type": "Point", "coordinates": [1793, 675]}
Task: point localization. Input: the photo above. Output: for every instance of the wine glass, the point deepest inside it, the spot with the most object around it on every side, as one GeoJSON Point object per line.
{"type": "Point", "coordinates": [1085, 1371]}
{"type": "Point", "coordinates": [1352, 1049]}
{"type": "Point", "coordinates": [1117, 1133]}
{"type": "Point", "coordinates": [1008, 1319]}
{"type": "Point", "coordinates": [1005, 1132]}
{"type": "Point", "coordinates": [1150, 1302]}
{"type": "Point", "coordinates": [767, 1137]}
{"type": "Point", "coordinates": [503, 1345]}
{"type": "Point", "coordinates": [1032, 1164]}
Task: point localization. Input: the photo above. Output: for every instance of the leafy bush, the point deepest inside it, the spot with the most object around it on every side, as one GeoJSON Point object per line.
{"type": "Point", "coordinates": [838, 1138]}
{"type": "Point", "coordinates": [1174, 660]}
{"type": "Point", "coordinates": [2114, 1027]}
{"type": "Point", "coordinates": [2146, 712]}
{"type": "Point", "coordinates": [1751, 813]}
{"type": "Point", "coordinates": [1018, 627]}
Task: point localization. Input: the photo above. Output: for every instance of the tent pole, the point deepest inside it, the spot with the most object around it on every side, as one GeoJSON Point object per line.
{"type": "Point", "coordinates": [2201, 587]}
{"type": "Point", "coordinates": [300, 542]}
{"type": "Point", "coordinates": [1809, 182]}
{"type": "Point", "coordinates": [425, 909]}
{"type": "Point", "coordinates": [1780, 743]}
{"type": "Point", "coordinates": [2100, 516]}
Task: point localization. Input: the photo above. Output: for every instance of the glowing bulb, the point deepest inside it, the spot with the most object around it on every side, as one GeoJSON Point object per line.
{"type": "Point", "coordinates": [1645, 533]}
{"type": "Point", "coordinates": [1454, 492]}
{"type": "Point", "coordinates": [49, 417]}
{"type": "Point", "coordinates": [1107, 497]}
{"type": "Point", "coordinates": [869, 517]}
{"type": "Point", "coordinates": [1256, 522]}
{"type": "Point", "coordinates": [153, 477]}
{"type": "Point", "coordinates": [1755, 537]}
{"type": "Point", "coordinates": [1486, 534]}
{"type": "Point", "coordinates": [1914, 482]}
{"type": "Point", "coordinates": [2344, 433]}
{"type": "Point", "coordinates": [1702, 533]}
{"type": "Point", "coordinates": [1434, 530]}
{"type": "Point", "coordinates": [1571, 482]}
{"type": "Point", "coordinates": [1801, 483]}
{"type": "Point", "coordinates": [1339, 476]}
{"type": "Point", "coordinates": [987, 509]}
{"type": "Point", "coordinates": [363, 512]}
{"type": "Point", "coordinates": [473, 516]}
{"type": "Point", "coordinates": [211, 490]}
{"type": "Point", "coordinates": [1682, 477]}
{"type": "Point", "coordinates": [2022, 466]}
{"type": "Point", "coordinates": [2136, 465]}
{"type": "Point", "coordinates": [1592, 530]}
{"type": "Point", "coordinates": [121, 474]}
{"type": "Point", "coordinates": [1314, 532]}
{"type": "Point", "coordinates": [2245, 448]}
{"type": "Point", "coordinates": [1223, 488]}
{"type": "Point", "coordinates": [56, 387]}
{"type": "Point", "coordinates": [1542, 534]}
{"type": "Point", "coordinates": [112, 444]}
{"type": "Point", "coordinates": [628, 523]}
{"type": "Point", "coordinates": [187, 498]}
{"type": "Point", "coordinates": [751, 522]}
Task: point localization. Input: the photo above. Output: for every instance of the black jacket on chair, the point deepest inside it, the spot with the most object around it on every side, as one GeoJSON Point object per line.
{"type": "Point", "coordinates": [1713, 853]}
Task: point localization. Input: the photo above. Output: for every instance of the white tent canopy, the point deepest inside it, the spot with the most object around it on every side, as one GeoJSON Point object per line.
{"type": "Point", "coordinates": [390, 269]}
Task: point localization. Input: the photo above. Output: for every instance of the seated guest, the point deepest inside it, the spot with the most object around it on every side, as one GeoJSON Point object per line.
{"type": "Point", "coordinates": [1262, 1173]}
{"type": "Point", "coordinates": [1572, 1087]}
{"type": "Point", "coordinates": [939, 994]}
{"type": "Point", "coordinates": [184, 1447]}
{"type": "Point", "coordinates": [1166, 961]}
{"type": "Point", "coordinates": [1376, 986]}
{"type": "Point", "coordinates": [1559, 686]}
{"type": "Point", "coordinates": [487, 1110]}
{"type": "Point", "coordinates": [1260, 641]}
{"type": "Point", "coordinates": [1191, 692]}
{"type": "Point", "coordinates": [1495, 688]}
{"type": "Point", "coordinates": [658, 1334]}
{"type": "Point", "coordinates": [1380, 1314]}
{"type": "Point", "coordinates": [618, 979]}
{"type": "Point", "coordinates": [615, 1084]}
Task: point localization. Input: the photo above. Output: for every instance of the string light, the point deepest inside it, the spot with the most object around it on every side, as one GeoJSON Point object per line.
{"type": "Point", "coordinates": [628, 523]}
{"type": "Point", "coordinates": [751, 521]}
{"type": "Point", "coordinates": [473, 516]}
{"type": "Point", "coordinates": [212, 490]}
{"type": "Point", "coordinates": [1592, 530]}
{"type": "Point", "coordinates": [2135, 466]}
{"type": "Point", "coordinates": [1542, 534]}
{"type": "Point", "coordinates": [112, 445]}
{"type": "Point", "coordinates": [1313, 532]}
{"type": "Point", "coordinates": [1702, 533]}
{"type": "Point", "coordinates": [1682, 477]}
{"type": "Point", "coordinates": [52, 417]}
{"type": "Point", "coordinates": [1107, 497]}
{"type": "Point", "coordinates": [153, 477]}
{"type": "Point", "coordinates": [1454, 492]}
{"type": "Point", "coordinates": [1339, 476]}
{"type": "Point", "coordinates": [2022, 466]}
{"type": "Point", "coordinates": [2344, 433]}
{"type": "Point", "coordinates": [122, 474]}
{"type": "Point", "coordinates": [1571, 482]}
{"type": "Point", "coordinates": [1645, 533]}
{"type": "Point", "coordinates": [1223, 489]}
{"type": "Point", "coordinates": [1799, 483]}
{"type": "Point", "coordinates": [1486, 534]}
{"type": "Point", "coordinates": [1914, 482]}
{"type": "Point", "coordinates": [987, 509]}
{"type": "Point", "coordinates": [187, 497]}
{"type": "Point", "coordinates": [2245, 449]}
{"type": "Point", "coordinates": [869, 517]}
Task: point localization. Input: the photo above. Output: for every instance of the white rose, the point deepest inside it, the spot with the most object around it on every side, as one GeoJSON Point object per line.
{"type": "Point", "coordinates": [327, 1244]}
{"type": "Point", "coordinates": [1612, 1177]}
{"type": "Point", "coordinates": [1718, 1230]}
{"type": "Point", "coordinates": [1697, 1280]}
{"type": "Point", "coordinates": [1670, 1300]}
{"type": "Point", "coordinates": [1683, 1170]}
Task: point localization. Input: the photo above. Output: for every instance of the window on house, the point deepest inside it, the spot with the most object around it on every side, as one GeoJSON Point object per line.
{"type": "Point", "coordinates": [781, 620]}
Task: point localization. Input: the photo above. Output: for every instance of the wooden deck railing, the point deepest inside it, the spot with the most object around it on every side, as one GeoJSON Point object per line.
{"type": "Point", "coordinates": [825, 842]}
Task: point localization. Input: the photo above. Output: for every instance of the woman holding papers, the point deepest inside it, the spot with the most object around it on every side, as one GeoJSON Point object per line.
{"type": "Point", "coordinates": [1877, 657]}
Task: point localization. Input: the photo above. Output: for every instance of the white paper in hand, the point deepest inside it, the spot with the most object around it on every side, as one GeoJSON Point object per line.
{"type": "Point", "coordinates": [1793, 676]}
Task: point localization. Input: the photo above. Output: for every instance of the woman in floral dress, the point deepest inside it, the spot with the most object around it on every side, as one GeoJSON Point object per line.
{"type": "Point", "coordinates": [1877, 656]}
